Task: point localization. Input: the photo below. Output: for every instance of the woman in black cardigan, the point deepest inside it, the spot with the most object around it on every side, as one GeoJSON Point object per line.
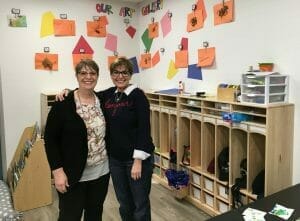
{"type": "Point", "coordinates": [76, 150]}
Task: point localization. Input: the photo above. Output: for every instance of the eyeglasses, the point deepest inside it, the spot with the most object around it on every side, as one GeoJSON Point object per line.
{"type": "Point", "coordinates": [84, 74]}
{"type": "Point", "coordinates": [117, 73]}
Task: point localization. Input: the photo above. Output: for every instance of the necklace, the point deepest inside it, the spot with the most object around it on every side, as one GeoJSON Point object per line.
{"type": "Point", "coordinates": [118, 96]}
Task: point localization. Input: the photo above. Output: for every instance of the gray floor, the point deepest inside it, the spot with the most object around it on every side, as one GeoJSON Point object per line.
{"type": "Point", "coordinates": [164, 207]}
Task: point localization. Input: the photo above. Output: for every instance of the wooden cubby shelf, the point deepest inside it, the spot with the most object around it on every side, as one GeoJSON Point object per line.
{"type": "Point", "coordinates": [265, 139]}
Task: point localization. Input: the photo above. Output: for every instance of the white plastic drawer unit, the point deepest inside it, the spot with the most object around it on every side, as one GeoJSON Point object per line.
{"type": "Point", "coordinates": [264, 88]}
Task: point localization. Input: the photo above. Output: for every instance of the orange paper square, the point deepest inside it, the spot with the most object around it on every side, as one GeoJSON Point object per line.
{"type": "Point", "coordinates": [206, 57]}
{"type": "Point", "coordinates": [153, 30]}
{"type": "Point", "coordinates": [103, 20]}
{"type": "Point", "coordinates": [181, 59]}
{"type": "Point", "coordinates": [145, 60]}
{"type": "Point", "coordinates": [45, 61]}
{"type": "Point", "coordinates": [78, 57]}
{"type": "Point", "coordinates": [155, 59]}
{"type": "Point", "coordinates": [63, 27]}
{"type": "Point", "coordinates": [194, 21]}
{"type": "Point", "coordinates": [110, 60]}
{"type": "Point", "coordinates": [95, 29]}
{"type": "Point", "coordinates": [221, 15]}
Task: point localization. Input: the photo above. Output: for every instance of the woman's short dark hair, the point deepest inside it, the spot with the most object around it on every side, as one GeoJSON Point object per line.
{"type": "Point", "coordinates": [87, 63]}
{"type": "Point", "coordinates": [121, 62]}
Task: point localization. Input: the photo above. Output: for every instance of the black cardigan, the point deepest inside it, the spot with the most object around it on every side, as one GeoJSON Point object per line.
{"type": "Point", "coordinates": [66, 139]}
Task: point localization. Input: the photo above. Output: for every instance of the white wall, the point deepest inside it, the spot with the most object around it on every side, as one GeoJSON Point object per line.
{"type": "Point", "coordinates": [263, 31]}
{"type": "Point", "coordinates": [22, 84]}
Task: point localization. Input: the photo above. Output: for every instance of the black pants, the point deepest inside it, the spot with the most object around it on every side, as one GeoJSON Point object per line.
{"type": "Point", "coordinates": [87, 197]}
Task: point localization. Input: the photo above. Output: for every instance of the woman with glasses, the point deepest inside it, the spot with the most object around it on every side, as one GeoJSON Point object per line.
{"type": "Point", "coordinates": [129, 143]}
{"type": "Point", "coordinates": [76, 151]}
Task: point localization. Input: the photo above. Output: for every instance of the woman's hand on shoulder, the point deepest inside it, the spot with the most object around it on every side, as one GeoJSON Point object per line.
{"type": "Point", "coordinates": [61, 96]}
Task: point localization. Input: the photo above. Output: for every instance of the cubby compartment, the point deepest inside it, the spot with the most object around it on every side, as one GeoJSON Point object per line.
{"type": "Point", "coordinates": [168, 101]}
{"type": "Point", "coordinates": [153, 99]}
{"type": "Point", "coordinates": [238, 152]}
{"type": "Point", "coordinates": [208, 146]}
{"type": "Point", "coordinates": [222, 207]}
{"type": "Point", "coordinates": [183, 149]}
{"type": "Point", "coordinates": [173, 131]}
{"type": "Point", "coordinates": [164, 132]}
{"type": "Point", "coordinates": [156, 159]}
{"type": "Point", "coordinates": [165, 163]}
{"type": "Point", "coordinates": [214, 108]}
{"type": "Point", "coordinates": [257, 156]}
{"type": "Point", "coordinates": [196, 178]}
{"type": "Point", "coordinates": [157, 170]}
{"type": "Point", "coordinates": [208, 199]}
{"type": "Point", "coordinates": [208, 184]}
{"type": "Point", "coordinates": [223, 191]}
{"type": "Point", "coordinates": [196, 192]}
{"type": "Point", "coordinates": [222, 142]}
{"type": "Point", "coordinates": [196, 143]}
{"type": "Point", "coordinates": [155, 128]}
{"type": "Point", "coordinates": [190, 104]}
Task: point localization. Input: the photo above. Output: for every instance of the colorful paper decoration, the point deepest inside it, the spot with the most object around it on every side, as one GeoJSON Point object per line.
{"type": "Point", "coordinates": [155, 58]}
{"type": "Point", "coordinates": [172, 71]}
{"type": "Point", "coordinates": [45, 61]}
{"type": "Point", "coordinates": [17, 21]}
{"type": "Point", "coordinates": [82, 51]}
{"type": "Point", "coordinates": [223, 12]}
{"type": "Point", "coordinates": [185, 44]}
{"type": "Point", "coordinates": [153, 30]}
{"type": "Point", "coordinates": [95, 29]}
{"type": "Point", "coordinates": [131, 31]}
{"type": "Point", "coordinates": [111, 42]}
{"type": "Point", "coordinates": [135, 65]}
{"type": "Point", "coordinates": [64, 27]}
{"type": "Point", "coordinates": [110, 60]}
{"type": "Point", "coordinates": [206, 57]}
{"type": "Point", "coordinates": [201, 6]}
{"type": "Point", "coordinates": [145, 61]}
{"type": "Point", "coordinates": [194, 72]}
{"type": "Point", "coordinates": [194, 21]}
{"type": "Point", "coordinates": [78, 57]}
{"type": "Point", "coordinates": [82, 46]}
{"type": "Point", "coordinates": [146, 40]}
{"type": "Point", "coordinates": [47, 27]}
{"type": "Point", "coordinates": [181, 59]}
{"type": "Point", "coordinates": [166, 24]}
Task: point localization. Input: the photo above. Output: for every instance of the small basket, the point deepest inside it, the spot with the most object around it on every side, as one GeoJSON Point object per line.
{"type": "Point", "coordinates": [181, 192]}
{"type": "Point", "coordinates": [178, 181]}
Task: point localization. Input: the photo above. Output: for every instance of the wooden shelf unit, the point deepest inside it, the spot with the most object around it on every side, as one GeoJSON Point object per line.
{"type": "Point", "coordinates": [33, 188]}
{"type": "Point", "coordinates": [265, 140]}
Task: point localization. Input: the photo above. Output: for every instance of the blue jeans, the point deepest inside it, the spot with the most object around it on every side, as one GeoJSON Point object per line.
{"type": "Point", "coordinates": [133, 195]}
